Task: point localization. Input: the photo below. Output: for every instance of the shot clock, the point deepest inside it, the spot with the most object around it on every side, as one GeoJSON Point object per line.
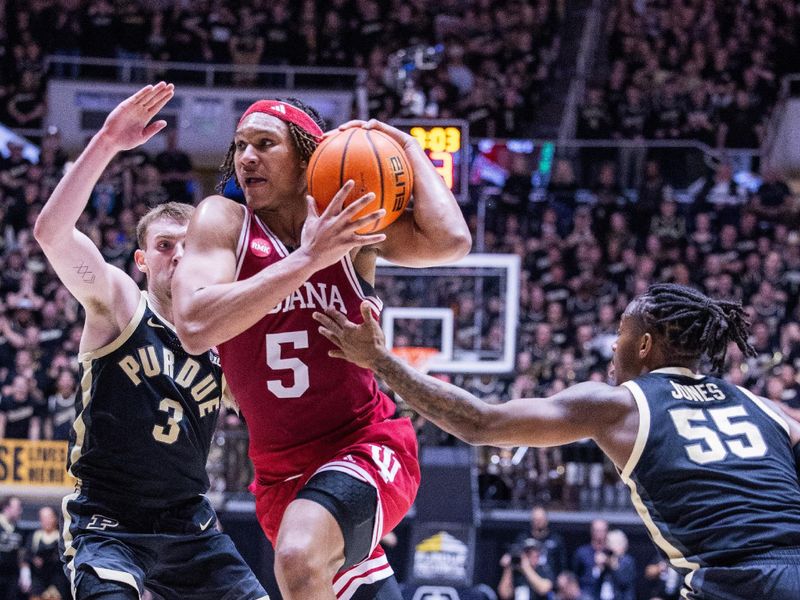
{"type": "Point", "coordinates": [446, 142]}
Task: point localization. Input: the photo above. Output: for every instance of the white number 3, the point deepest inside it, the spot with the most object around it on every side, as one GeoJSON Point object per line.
{"type": "Point", "coordinates": [742, 437]}
{"type": "Point", "coordinates": [168, 434]}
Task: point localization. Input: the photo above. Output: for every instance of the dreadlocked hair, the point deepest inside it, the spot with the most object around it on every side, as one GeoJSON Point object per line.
{"type": "Point", "coordinates": [305, 142]}
{"type": "Point", "coordinates": [693, 324]}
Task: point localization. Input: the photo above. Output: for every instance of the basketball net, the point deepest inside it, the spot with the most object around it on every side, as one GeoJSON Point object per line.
{"type": "Point", "coordinates": [418, 357]}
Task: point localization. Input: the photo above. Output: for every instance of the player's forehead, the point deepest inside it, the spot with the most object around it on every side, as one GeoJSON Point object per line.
{"type": "Point", "coordinates": [166, 228]}
{"type": "Point", "coordinates": [627, 322]}
{"type": "Point", "coordinates": [258, 123]}
{"type": "Point", "coordinates": [633, 310]}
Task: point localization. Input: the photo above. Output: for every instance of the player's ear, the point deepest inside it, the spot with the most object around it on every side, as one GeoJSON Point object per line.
{"type": "Point", "coordinates": [645, 345]}
{"type": "Point", "coordinates": [138, 258]}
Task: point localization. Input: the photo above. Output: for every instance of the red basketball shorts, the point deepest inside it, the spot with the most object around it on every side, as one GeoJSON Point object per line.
{"type": "Point", "coordinates": [383, 455]}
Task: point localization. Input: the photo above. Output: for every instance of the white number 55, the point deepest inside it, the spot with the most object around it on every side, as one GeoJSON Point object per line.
{"type": "Point", "coordinates": [741, 437]}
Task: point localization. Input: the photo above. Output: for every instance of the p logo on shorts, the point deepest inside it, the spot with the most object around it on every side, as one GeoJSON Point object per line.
{"type": "Point", "coordinates": [387, 462]}
{"type": "Point", "coordinates": [101, 523]}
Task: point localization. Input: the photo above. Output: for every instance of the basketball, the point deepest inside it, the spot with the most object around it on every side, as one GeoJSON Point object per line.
{"type": "Point", "coordinates": [374, 161]}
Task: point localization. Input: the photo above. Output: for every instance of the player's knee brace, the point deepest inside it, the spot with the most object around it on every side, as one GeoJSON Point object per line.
{"type": "Point", "coordinates": [352, 503]}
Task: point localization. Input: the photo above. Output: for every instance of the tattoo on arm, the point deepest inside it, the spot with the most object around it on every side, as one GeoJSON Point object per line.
{"type": "Point", "coordinates": [87, 276]}
{"type": "Point", "coordinates": [448, 406]}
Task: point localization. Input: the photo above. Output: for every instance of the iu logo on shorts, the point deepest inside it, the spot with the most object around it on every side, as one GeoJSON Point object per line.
{"type": "Point", "coordinates": [387, 462]}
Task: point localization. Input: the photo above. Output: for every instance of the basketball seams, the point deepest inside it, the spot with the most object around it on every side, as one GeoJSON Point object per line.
{"type": "Point", "coordinates": [344, 159]}
{"type": "Point", "coordinates": [357, 158]}
{"type": "Point", "coordinates": [313, 166]}
{"type": "Point", "coordinates": [380, 172]}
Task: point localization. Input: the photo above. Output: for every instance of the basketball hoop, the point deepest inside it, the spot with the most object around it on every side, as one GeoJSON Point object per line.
{"type": "Point", "coordinates": [417, 356]}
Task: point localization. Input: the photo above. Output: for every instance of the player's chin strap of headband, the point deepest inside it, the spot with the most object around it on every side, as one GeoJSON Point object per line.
{"type": "Point", "coordinates": [287, 113]}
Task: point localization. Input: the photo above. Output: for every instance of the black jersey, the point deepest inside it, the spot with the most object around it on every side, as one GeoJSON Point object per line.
{"type": "Point", "coordinates": [146, 411]}
{"type": "Point", "coordinates": [712, 473]}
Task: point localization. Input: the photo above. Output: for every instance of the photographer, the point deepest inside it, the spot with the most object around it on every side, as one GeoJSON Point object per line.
{"type": "Point", "coordinates": [523, 577]}
{"type": "Point", "coordinates": [617, 579]}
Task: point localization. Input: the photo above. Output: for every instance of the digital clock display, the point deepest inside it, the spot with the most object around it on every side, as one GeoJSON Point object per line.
{"type": "Point", "coordinates": [446, 143]}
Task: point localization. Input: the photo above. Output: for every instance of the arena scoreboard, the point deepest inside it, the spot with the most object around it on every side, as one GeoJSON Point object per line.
{"type": "Point", "coordinates": [446, 142]}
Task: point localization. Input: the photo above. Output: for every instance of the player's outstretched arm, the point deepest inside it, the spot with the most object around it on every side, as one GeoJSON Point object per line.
{"type": "Point", "coordinates": [211, 308]}
{"type": "Point", "coordinates": [76, 260]}
{"type": "Point", "coordinates": [434, 232]}
{"type": "Point", "coordinates": [586, 410]}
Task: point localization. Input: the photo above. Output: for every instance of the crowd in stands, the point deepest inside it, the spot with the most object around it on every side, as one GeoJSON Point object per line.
{"type": "Point", "coordinates": [40, 322]}
{"type": "Point", "coordinates": [691, 70]}
{"type": "Point", "coordinates": [30, 560]}
{"type": "Point", "coordinates": [487, 59]}
{"type": "Point", "coordinates": [585, 252]}
{"type": "Point", "coordinates": [540, 565]}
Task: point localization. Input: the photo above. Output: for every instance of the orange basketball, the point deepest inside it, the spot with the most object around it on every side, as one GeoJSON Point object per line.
{"type": "Point", "coordinates": [374, 161]}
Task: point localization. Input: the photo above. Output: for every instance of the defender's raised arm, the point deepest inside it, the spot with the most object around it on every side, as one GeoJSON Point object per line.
{"type": "Point", "coordinates": [107, 293]}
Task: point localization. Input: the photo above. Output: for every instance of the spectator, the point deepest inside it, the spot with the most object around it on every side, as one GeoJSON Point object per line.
{"type": "Point", "coordinates": [131, 27]}
{"type": "Point", "coordinates": [523, 574]}
{"type": "Point", "coordinates": [21, 414]}
{"type": "Point", "coordinates": [773, 202]}
{"type": "Point", "coordinates": [631, 121]}
{"type": "Point", "coordinates": [13, 173]}
{"type": "Point", "coordinates": [99, 39]}
{"type": "Point", "coordinates": [741, 124]}
{"type": "Point", "coordinates": [246, 48]}
{"type": "Point", "coordinates": [568, 588]}
{"type": "Point", "coordinates": [668, 226]}
{"type": "Point", "coordinates": [26, 105]}
{"type": "Point", "coordinates": [44, 557]}
{"type": "Point", "coordinates": [586, 558]}
{"type": "Point", "coordinates": [553, 552]}
{"type": "Point", "coordinates": [594, 123]}
{"type": "Point", "coordinates": [561, 193]}
{"type": "Point", "coordinates": [67, 36]}
{"type": "Point", "coordinates": [61, 407]}
{"type": "Point", "coordinates": [663, 582]}
{"type": "Point", "coordinates": [722, 196]}
{"type": "Point", "coordinates": [14, 572]}
{"type": "Point", "coordinates": [650, 196]}
{"type": "Point", "coordinates": [617, 579]}
{"type": "Point", "coordinates": [175, 170]}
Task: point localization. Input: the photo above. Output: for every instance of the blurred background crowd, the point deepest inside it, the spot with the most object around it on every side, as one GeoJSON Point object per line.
{"type": "Point", "coordinates": [603, 227]}
{"type": "Point", "coordinates": [591, 240]}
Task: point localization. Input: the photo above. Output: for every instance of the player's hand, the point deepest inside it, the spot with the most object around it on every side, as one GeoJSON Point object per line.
{"type": "Point", "coordinates": [505, 561]}
{"type": "Point", "coordinates": [327, 237]}
{"type": "Point", "coordinates": [401, 137]}
{"type": "Point", "coordinates": [360, 344]}
{"type": "Point", "coordinates": [128, 125]}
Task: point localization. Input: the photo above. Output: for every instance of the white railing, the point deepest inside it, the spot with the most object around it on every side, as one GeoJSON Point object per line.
{"type": "Point", "coordinates": [128, 70]}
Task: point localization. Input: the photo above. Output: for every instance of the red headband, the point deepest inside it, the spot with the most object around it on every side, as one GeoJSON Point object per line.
{"type": "Point", "coordinates": [285, 112]}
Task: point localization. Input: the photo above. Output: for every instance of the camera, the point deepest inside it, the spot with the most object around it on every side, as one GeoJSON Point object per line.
{"type": "Point", "coordinates": [516, 551]}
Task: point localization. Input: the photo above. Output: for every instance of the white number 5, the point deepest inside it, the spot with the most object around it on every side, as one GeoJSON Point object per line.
{"type": "Point", "coordinates": [297, 339]}
{"type": "Point", "coordinates": [715, 451]}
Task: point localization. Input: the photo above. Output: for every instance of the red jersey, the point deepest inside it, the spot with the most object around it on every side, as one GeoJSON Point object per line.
{"type": "Point", "coordinates": [298, 402]}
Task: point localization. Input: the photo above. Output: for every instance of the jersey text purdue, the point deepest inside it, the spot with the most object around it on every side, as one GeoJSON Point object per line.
{"type": "Point", "coordinates": [146, 361]}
